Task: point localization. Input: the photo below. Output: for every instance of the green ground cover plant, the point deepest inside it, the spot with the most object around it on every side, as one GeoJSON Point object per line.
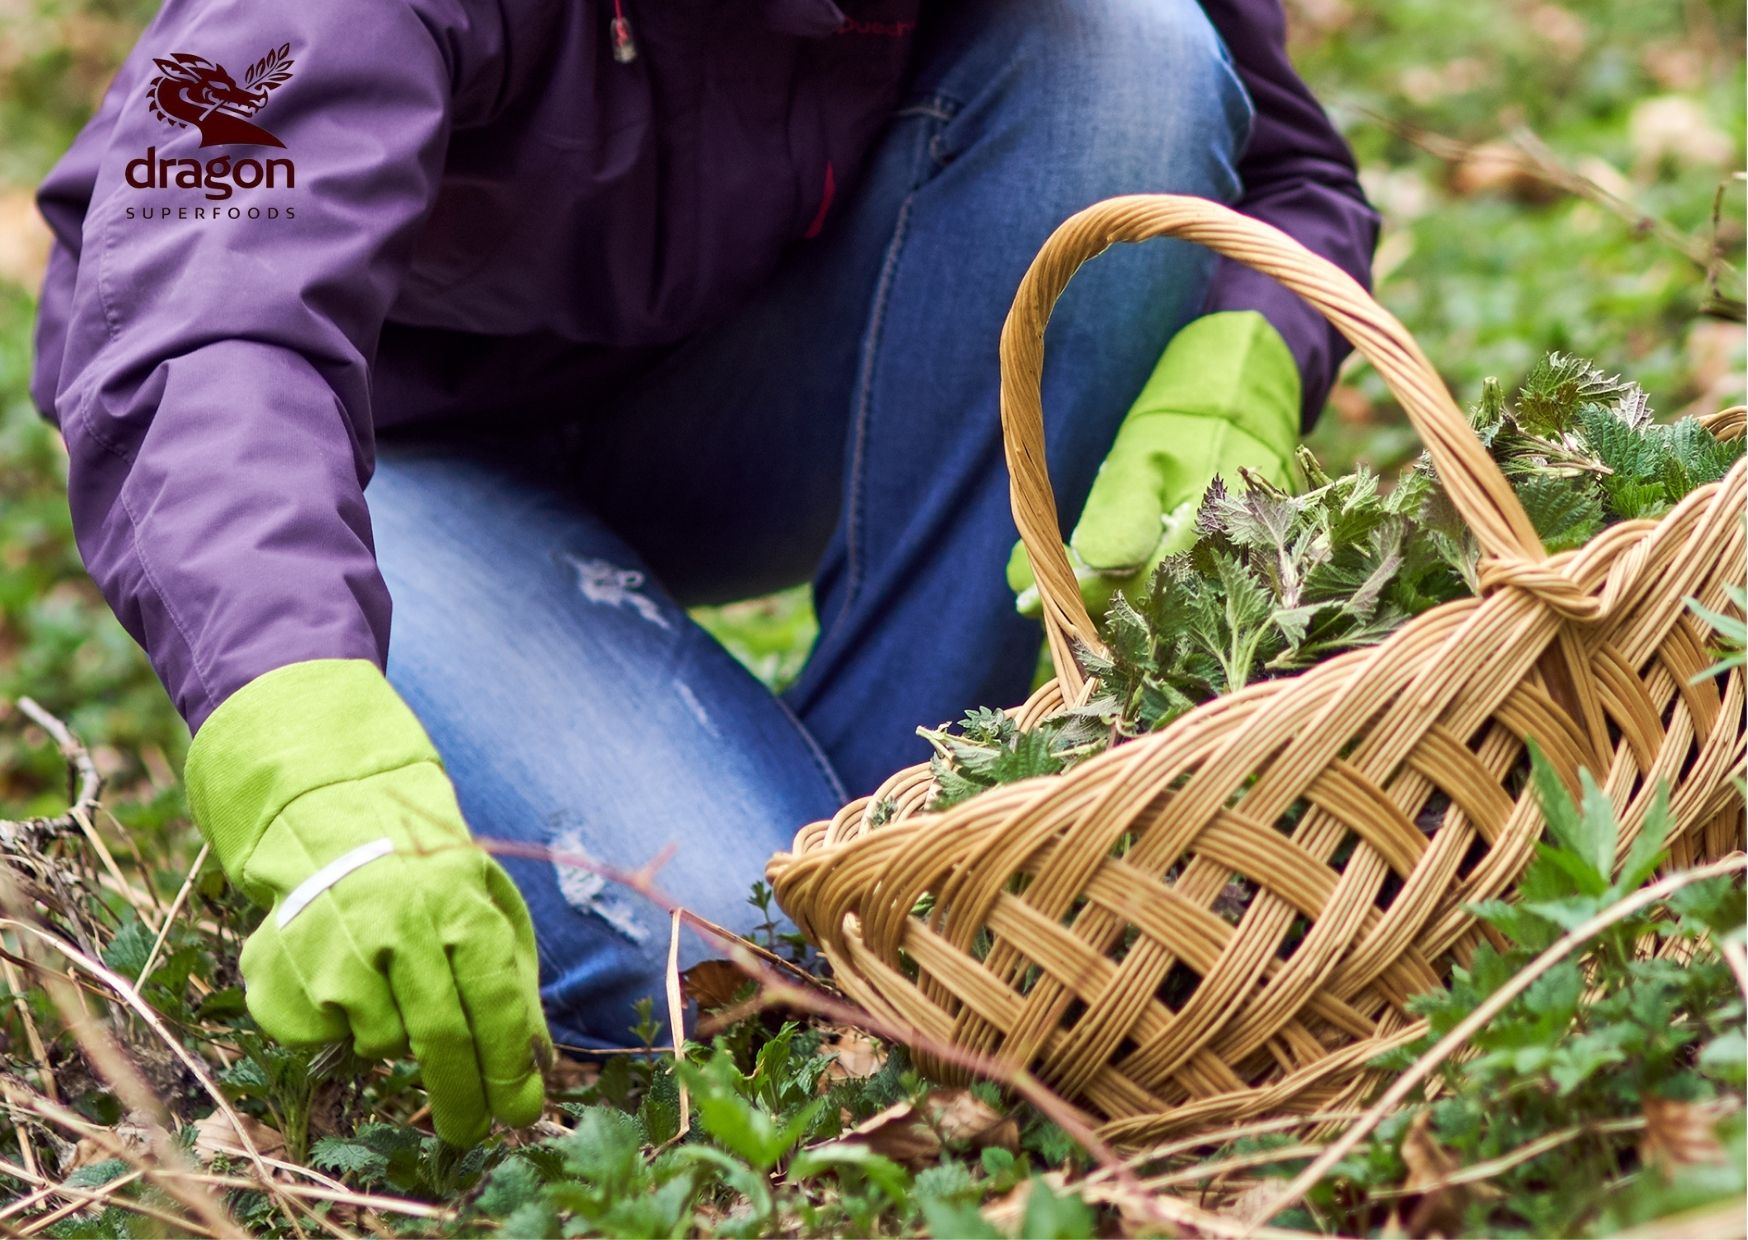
{"type": "Point", "coordinates": [1552, 176]}
{"type": "Point", "coordinates": [1610, 1091]}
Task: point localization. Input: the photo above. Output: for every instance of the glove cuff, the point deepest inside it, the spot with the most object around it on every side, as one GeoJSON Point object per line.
{"type": "Point", "coordinates": [286, 733]}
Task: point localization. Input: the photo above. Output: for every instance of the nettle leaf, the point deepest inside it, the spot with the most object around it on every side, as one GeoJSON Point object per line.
{"type": "Point", "coordinates": [1578, 1059]}
{"type": "Point", "coordinates": [947, 1181]}
{"type": "Point", "coordinates": [1053, 1216]}
{"type": "Point", "coordinates": [1232, 623]}
{"type": "Point", "coordinates": [128, 951]}
{"type": "Point", "coordinates": [1726, 1058]}
{"type": "Point", "coordinates": [1646, 852]}
{"type": "Point", "coordinates": [1584, 841]}
{"type": "Point", "coordinates": [990, 749]}
{"type": "Point", "coordinates": [740, 1125]}
{"type": "Point", "coordinates": [1718, 906]}
{"type": "Point", "coordinates": [1487, 415]}
{"type": "Point", "coordinates": [345, 1156]}
{"type": "Point", "coordinates": [514, 1183]}
{"type": "Point", "coordinates": [1276, 582]}
{"type": "Point", "coordinates": [659, 1111]}
{"type": "Point", "coordinates": [1561, 384]}
{"type": "Point", "coordinates": [605, 1147]}
{"type": "Point", "coordinates": [97, 1174]}
{"type": "Point", "coordinates": [954, 1219]}
{"type": "Point", "coordinates": [1599, 832]}
{"type": "Point", "coordinates": [1567, 512]}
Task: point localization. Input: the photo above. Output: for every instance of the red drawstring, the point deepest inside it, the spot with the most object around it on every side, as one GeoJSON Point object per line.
{"type": "Point", "coordinates": [825, 203]}
{"type": "Point", "coordinates": [624, 48]}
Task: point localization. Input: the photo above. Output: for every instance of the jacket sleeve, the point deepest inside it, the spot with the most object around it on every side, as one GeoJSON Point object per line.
{"type": "Point", "coordinates": [1298, 175]}
{"type": "Point", "coordinates": [209, 374]}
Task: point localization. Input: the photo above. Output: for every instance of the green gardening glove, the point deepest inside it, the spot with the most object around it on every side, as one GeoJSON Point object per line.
{"type": "Point", "coordinates": [1224, 396]}
{"type": "Point", "coordinates": [325, 802]}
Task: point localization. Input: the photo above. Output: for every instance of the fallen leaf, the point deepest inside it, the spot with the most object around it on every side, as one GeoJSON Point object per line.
{"type": "Point", "coordinates": [137, 1132]}
{"type": "Point", "coordinates": [1426, 84]}
{"type": "Point", "coordinates": [855, 1056]}
{"type": "Point", "coordinates": [214, 1135]}
{"type": "Point", "coordinates": [1439, 1210]}
{"type": "Point", "coordinates": [1251, 1206]}
{"type": "Point", "coordinates": [962, 1116]}
{"type": "Point", "coordinates": [712, 984]}
{"type": "Point", "coordinates": [1561, 29]}
{"type": "Point", "coordinates": [1713, 354]}
{"type": "Point", "coordinates": [898, 1133]}
{"type": "Point", "coordinates": [1008, 1210]}
{"type": "Point", "coordinates": [1679, 1134]}
{"type": "Point", "coordinates": [912, 1132]}
{"type": "Point", "coordinates": [1674, 65]}
{"type": "Point", "coordinates": [567, 1074]}
{"type": "Point", "coordinates": [1320, 17]}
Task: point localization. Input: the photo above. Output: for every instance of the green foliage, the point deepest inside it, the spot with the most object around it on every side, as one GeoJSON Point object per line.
{"type": "Point", "coordinates": [1731, 631]}
{"type": "Point", "coordinates": [1487, 280]}
{"type": "Point", "coordinates": [990, 749]}
{"type": "Point", "coordinates": [1276, 582]}
{"type": "Point", "coordinates": [765, 1154]}
{"type": "Point", "coordinates": [1582, 450]}
{"type": "Point", "coordinates": [1581, 1087]}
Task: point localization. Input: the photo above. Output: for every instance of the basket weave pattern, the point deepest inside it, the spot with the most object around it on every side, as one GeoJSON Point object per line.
{"type": "Point", "coordinates": [1085, 927]}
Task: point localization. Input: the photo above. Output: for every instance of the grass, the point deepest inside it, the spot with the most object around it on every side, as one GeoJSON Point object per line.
{"type": "Point", "coordinates": [1552, 176]}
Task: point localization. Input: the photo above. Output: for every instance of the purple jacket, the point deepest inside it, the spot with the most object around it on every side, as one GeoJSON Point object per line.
{"type": "Point", "coordinates": [459, 208]}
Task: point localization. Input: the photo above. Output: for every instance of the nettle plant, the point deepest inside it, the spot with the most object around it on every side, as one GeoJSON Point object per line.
{"type": "Point", "coordinates": [1277, 581]}
{"type": "Point", "coordinates": [1608, 1094]}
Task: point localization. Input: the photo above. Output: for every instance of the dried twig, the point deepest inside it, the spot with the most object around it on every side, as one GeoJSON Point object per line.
{"type": "Point", "coordinates": [113, 1065]}
{"type": "Point", "coordinates": [210, 1179]}
{"type": "Point", "coordinates": [167, 1173]}
{"type": "Point", "coordinates": [84, 784]}
{"type": "Point", "coordinates": [48, 1189]}
{"type": "Point", "coordinates": [1538, 161]}
{"type": "Point", "coordinates": [1491, 1167]}
{"type": "Point", "coordinates": [103, 1195]}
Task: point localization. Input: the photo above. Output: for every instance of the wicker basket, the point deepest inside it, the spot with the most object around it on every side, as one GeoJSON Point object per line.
{"type": "Point", "coordinates": [1107, 970]}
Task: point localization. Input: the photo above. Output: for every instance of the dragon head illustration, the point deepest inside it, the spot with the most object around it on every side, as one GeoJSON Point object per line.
{"type": "Point", "coordinates": [192, 90]}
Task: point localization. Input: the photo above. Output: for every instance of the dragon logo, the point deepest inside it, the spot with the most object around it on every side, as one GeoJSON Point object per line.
{"type": "Point", "coordinates": [191, 90]}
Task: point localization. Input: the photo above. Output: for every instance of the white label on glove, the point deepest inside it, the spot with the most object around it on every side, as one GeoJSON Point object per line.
{"type": "Point", "coordinates": [329, 874]}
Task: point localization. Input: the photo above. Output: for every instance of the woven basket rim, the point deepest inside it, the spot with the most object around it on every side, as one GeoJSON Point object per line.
{"type": "Point", "coordinates": [1022, 791]}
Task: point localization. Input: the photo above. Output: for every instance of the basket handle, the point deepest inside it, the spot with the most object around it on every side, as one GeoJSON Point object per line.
{"type": "Point", "coordinates": [1470, 477]}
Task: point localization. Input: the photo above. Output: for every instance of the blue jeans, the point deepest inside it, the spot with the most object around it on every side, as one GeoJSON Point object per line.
{"type": "Point", "coordinates": [841, 428]}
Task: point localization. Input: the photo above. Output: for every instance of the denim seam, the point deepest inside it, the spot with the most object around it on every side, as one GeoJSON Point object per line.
{"type": "Point", "coordinates": [943, 109]}
{"type": "Point", "coordinates": [939, 107]}
{"type": "Point", "coordinates": [819, 758]}
{"type": "Point", "coordinates": [864, 403]}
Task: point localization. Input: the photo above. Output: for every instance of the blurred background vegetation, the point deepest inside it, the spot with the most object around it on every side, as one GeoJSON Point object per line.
{"type": "Point", "coordinates": [1552, 176]}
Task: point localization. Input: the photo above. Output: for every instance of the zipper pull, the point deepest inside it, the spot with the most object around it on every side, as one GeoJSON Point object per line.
{"type": "Point", "coordinates": [624, 46]}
